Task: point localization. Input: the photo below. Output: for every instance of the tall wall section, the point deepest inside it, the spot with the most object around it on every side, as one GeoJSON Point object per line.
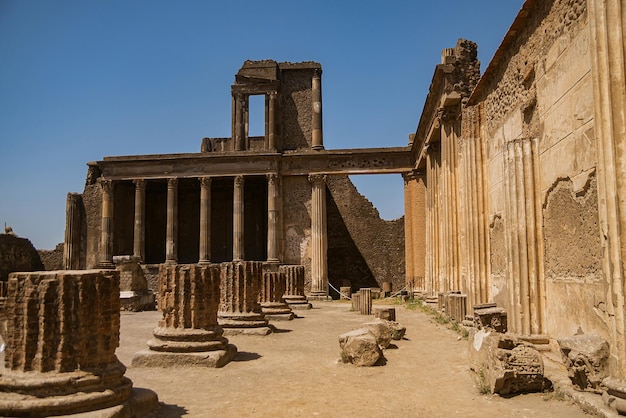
{"type": "Point", "coordinates": [537, 129]}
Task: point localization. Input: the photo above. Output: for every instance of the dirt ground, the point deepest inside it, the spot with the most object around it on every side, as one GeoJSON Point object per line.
{"type": "Point", "coordinates": [295, 372]}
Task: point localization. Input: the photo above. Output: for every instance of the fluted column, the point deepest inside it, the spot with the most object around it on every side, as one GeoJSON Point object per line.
{"type": "Point", "coordinates": [272, 218]}
{"type": "Point", "coordinates": [140, 213]}
{"type": "Point", "coordinates": [205, 220]}
{"type": "Point", "coordinates": [408, 230]}
{"type": "Point", "coordinates": [433, 233]}
{"type": "Point", "coordinates": [73, 221]}
{"type": "Point", "coordinates": [418, 229]}
{"type": "Point", "coordinates": [319, 240]}
{"type": "Point", "coordinates": [294, 286]}
{"type": "Point", "coordinates": [238, 220]}
{"type": "Point", "coordinates": [106, 237]}
{"type": "Point", "coordinates": [607, 21]}
{"type": "Point", "coordinates": [316, 122]}
{"type": "Point", "coordinates": [171, 239]}
{"type": "Point", "coordinates": [524, 238]}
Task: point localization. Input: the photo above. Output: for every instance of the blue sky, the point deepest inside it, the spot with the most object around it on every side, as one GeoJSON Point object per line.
{"type": "Point", "coordinates": [80, 80]}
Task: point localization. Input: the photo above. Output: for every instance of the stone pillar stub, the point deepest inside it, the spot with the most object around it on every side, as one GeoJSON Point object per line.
{"type": "Point", "coordinates": [188, 333]}
{"type": "Point", "coordinates": [63, 329]}
{"type": "Point", "coordinates": [271, 299]}
{"type": "Point", "coordinates": [294, 282]}
{"type": "Point", "coordinates": [239, 308]}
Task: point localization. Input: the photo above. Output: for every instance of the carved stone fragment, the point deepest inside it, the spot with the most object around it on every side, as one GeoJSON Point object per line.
{"type": "Point", "coordinates": [586, 358]}
{"type": "Point", "coordinates": [360, 348]}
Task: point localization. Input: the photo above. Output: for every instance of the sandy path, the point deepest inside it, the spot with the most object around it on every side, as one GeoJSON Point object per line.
{"type": "Point", "coordinates": [295, 373]}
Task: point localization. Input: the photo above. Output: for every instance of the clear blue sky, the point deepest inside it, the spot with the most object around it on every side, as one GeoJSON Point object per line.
{"type": "Point", "coordinates": [80, 80]}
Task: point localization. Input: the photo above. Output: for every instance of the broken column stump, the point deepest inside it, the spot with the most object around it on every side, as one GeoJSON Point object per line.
{"type": "Point", "coordinates": [134, 292]}
{"type": "Point", "coordinates": [385, 313]}
{"type": "Point", "coordinates": [355, 302]}
{"type": "Point", "coordinates": [365, 301]}
{"type": "Point", "coordinates": [271, 299]}
{"type": "Point", "coordinates": [455, 306]}
{"type": "Point", "coordinates": [507, 365]}
{"type": "Point", "coordinates": [188, 333]}
{"type": "Point", "coordinates": [490, 316]}
{"type": "Point", "coordinates": [239, 310]}
{"type": "Point", "coordinates": [63, 329]}
{"type": "Point", "coordinates": [586, 358]}
{"type": "Point", "coordinates": [344, 292]}
{"type": "Point", "coordinates": [294, 294]}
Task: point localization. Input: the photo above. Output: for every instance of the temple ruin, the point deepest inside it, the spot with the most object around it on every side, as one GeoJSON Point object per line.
{"type": "Point", "coordinates": [515, 207]}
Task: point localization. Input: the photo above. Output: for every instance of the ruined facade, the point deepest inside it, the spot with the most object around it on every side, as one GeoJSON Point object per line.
{"type": "Point", "coordinates": [524, 175]}
{"type": "Point", "coordinates": [281, 198]}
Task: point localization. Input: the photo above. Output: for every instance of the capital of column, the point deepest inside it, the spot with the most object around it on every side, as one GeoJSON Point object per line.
{"type": "Point", "coordinates": [172, 183]}
{"type": "Point", "coordinates": [107, 185]}
{"type": "Point", "coordinates": [239, 180]}
{"type": "Point", "coordinates": [140, 183]}
{"type": "Point", "coordinates": [205, 181]}
{"type": "Point", "coordinates": [318, 178]}
{"type": "Point", "coordinates": [272, 179]}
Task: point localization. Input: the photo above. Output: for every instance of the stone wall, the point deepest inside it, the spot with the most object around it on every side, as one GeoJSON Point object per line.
{"type": "Point", "coordinates": [17, 254]}
{"type": "Point", "coordinates": [52, 259]}
{"type": "Point", "coordinates": [296, 104]}
{"type": "Point", "coordinates": [297, 223]}
{"type": "Point", "coordinates": [362, 248]}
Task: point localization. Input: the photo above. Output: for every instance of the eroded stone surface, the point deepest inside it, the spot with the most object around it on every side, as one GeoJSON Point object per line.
{"type": "Point", "coordinates": [586, 358]}
{"type": "Point", "coordinates": [360, 348]}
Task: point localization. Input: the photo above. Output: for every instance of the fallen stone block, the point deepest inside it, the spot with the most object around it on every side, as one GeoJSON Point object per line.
{"type": "Point", "coordinates": [360, 348]}
{"type": "Point", "coordinates": [586, 357]}
{"type": "Point", "coordinates": [385, 313]}
{"type": "Point", "coordinates": [506, 364]}
{"type": "Point", "coordinates": [381, 330]}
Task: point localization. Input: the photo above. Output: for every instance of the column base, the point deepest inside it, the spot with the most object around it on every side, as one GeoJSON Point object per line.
{"type": "Point", "coordinates": [615, 395]}
{"type": "Point", "coordinates": [242, 323]}
{"type": "Point", "coordinates": [106, 265]}
{"type": "Point", "coordinates": [214, 359]}
{"type": "Point", "coordinates": [317, 147]}
{"type": "Point", "coordinates": [297, 302]}
{"type": "Point", "coordinates": [277, 311]}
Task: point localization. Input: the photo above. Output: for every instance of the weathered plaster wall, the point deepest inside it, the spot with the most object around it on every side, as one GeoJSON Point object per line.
{"type": "Point", "coordinates": [542, 88]}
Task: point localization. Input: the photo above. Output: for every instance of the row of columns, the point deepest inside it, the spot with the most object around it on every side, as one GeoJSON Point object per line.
{"type": "Point", "coordinates": [171, 252]}
{"type": "Point", "coordinates": [241, 117]}
{"type": "Point", "coordinates": [319, 242]}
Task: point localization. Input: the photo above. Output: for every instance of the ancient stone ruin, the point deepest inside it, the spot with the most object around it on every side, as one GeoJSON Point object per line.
{"type": "Point", "coordinates": [63, 329]}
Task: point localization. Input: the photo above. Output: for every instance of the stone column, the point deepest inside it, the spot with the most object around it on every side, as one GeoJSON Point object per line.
{"type": "Point", "coordinates": [171, 239]}
{"type": "Point", "coordinates": [433, 268]}
{"type": "Point", "coordinates": [273, 305]}
{"type": "Point", "coordinates": [140, 214]}
{"type": "Point", "coordinates": [73, 221]}
{"type": "Point", "coordinates": [316, 122]}
{"type": "Point", "coordinates": [408, 230]}
{"type": "Point", "coordinates": [238, 219]}
{"type": "Point", "coordinates": [294, 287]}
{"type": "Point", "coordinates": [365, 301]}
{"type": "Point", "coordinates": [188, 333]}
{"type": "Point", "coordinates": [319, 240]}
{"type": "Point", "coordinates": [524, 238]}
{"type": "Point", "coordinates": [240, 122]}
{"type": "Point", "coordinates": [607, 20]}
{"type": "Point", "coordinates": [272, 218]}
{"type": "Point", "coordinates": [239, 310]}
{"type": "Point", "coordinates": [60, 357]}
{"type": "Point", "coordinates": [272, 122]}
{"type": "Point", "coordinates": [205, 220]}
{"type": "Point", "coordinates": [418, 229]}
{"type": "Point", "coordinates": [106, 237]}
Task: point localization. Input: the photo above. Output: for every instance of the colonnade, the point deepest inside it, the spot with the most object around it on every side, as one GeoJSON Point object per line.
{"type": "Point", "coordinates": [319, 243]}
{"type": "Point", "coordinates": [241, 116]}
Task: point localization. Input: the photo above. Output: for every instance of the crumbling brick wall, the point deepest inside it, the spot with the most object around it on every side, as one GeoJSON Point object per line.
{"type": "Point", "coordinates": [17, 254]}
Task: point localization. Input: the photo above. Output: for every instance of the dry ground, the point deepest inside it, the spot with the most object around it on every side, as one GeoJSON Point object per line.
{"type": "Point", "coordinates": [296, 373]}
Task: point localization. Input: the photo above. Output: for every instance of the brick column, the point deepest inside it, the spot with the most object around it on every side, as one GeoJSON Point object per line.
{"type": "Point", "coordinates": [294, 287]}
{"type": "Point", "coordinates": [240, 311]}
{"type": "Point", "coordinates": [271, 299]}
{"type": "Point", "coordinates": [188, 333]}
{"type": "Point", "coordinates": [63, 329]}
